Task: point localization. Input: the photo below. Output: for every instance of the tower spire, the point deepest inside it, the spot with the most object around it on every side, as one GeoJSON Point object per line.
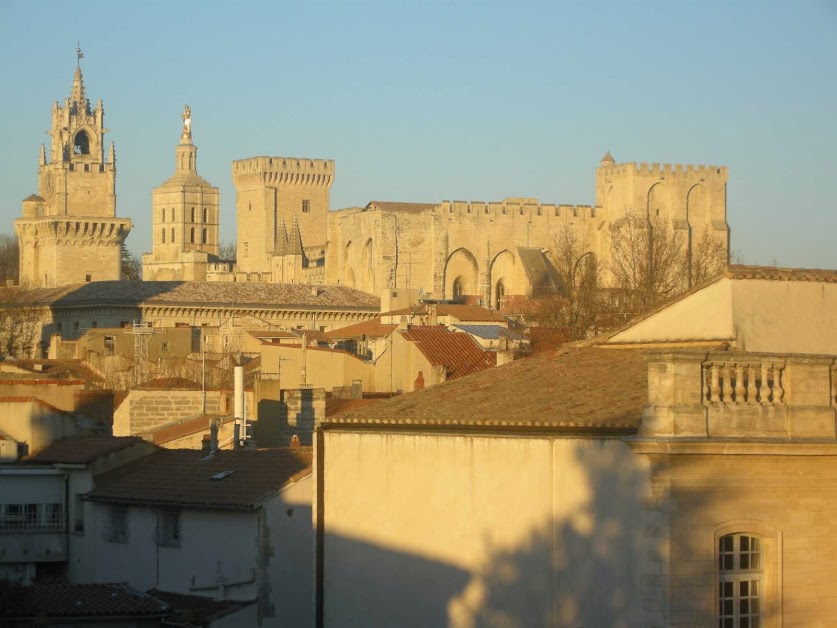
{"type": "Point", "coordinates": [78, 95]}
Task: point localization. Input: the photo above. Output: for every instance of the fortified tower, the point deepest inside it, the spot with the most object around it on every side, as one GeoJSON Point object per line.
{"type": "Point", "coordinates": [185, 217]}
{"type": "Point", "coordinates": [69, 232]}
{"type": "Point", "coordinates": [274, 193]}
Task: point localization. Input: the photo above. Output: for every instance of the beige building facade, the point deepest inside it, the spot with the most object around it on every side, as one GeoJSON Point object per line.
{"type": "Point", "coordinates": [185, 215]}
{"type": "Point", "coordinates": [654, 477]}
{"type": "Point", "coordinates": [69, 232]}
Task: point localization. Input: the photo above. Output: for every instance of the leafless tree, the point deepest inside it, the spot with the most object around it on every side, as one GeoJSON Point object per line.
{"type": "Point", "coordinates": [709, 257]}
{"type": "Point", "coordinates": [650, 261]}
{"type": "Point", "coordinates": [227, 251]}
{"type": "Point", "coordinates": [21, 321]}
{"type": "Point", "coordinates": [579, 305]}
{"type": "Point", "coordinates": [9, 258]}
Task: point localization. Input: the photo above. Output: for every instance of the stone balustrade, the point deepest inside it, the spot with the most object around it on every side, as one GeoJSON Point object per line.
{"type": "Point", "coordinates": [732, 395]}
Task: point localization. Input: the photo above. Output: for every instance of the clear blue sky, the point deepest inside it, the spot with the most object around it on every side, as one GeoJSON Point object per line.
{"type": "Point", "coordinates": [425, 101]}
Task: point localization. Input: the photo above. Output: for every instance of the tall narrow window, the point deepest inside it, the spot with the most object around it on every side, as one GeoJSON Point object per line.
{"type": "Point", "coordinates": [193, 215]}
{"type": "Point", "coordinates": [741, 575]}
{"type": "Point", "coordinates": [203, 236]}
{"type": "Point", "coordinates": [173, 218]}
{"type": "Point", "coordinates": [164, 235]}
{"type": "Point", "coordinates": [306, 206]}
{"type": "Point", "coordinates": [172, 235]}
{"type": "Point", "coordinates": [205, 215]}
{"type": "Point", "coordinates": [192, 236]}
{"type": "Point", "coordinates": [163, 219]}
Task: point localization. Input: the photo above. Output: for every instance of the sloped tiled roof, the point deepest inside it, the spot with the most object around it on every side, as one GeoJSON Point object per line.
{"type": "Point", "coordinates": [70, 369]}
{"type": "Point", "coordinates": [489, 332]}
{"type": "Point", "coordinates": [80, 449]}
{"type": "Point", "coordinates": [202, 610]}
{"type": "Point", "coordinates": [243, 294]}
{"type": "Point", "coordinates": [395, 206]}
{"type": "Point", "coordinates": [462, 312]}
{"type": "Point", "coordinates": [459, 353]}
{"type": "Point", "coordinates": [577, 388]}
{"type": "Point", "coordinates": [181, 428]}
{"type": "Point", "coordinates": [59, 599]}
{"type": "Point", "coordinates": [373, 328]}
{"type": "Point", "coordinates": [184, 477]}
{"type": "Point", "coordinates": [773, 273]}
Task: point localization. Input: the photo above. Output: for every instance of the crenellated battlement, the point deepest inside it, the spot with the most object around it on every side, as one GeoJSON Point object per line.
{"type": "Point", "coordinates": [271, 171]}
{"type": "Point", "coordinates": [668, 170]}
{"type": "Point", "coordinates": [512, 208]}
{"type": "Point", "coordinates": [98, 229]}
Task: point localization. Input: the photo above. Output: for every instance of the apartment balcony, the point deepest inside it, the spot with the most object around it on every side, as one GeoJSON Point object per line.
{"type": "Point", "coordinates": [32, 533]}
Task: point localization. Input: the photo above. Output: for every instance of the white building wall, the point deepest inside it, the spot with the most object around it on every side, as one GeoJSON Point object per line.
{"type": "Point", "coordinates": [465, 530]}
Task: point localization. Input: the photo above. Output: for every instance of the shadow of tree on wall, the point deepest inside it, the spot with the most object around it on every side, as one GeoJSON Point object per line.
{"type": "Point", "coordinates": [579, 568]}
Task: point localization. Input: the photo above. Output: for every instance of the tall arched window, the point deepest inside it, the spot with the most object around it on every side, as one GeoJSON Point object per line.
{"type": "Point", "coordinates": [164, 235]}
{"type": "Point", "coordinates": [192, 236]}
{"type": "Point", "coordinates": [163, 219]}
{"type": "Point", "coordinates": [193, 215]}
{"type": "Point", "coordinates": [172, 235]}
{"type": "Point", "coordinates": [205, 215]}
{"type": "Point", "coordinates": [741, 585]}
{"type": "Point", "coordinates": [203, 236]}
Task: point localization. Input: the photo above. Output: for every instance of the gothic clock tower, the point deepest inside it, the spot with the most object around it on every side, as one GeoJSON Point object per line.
{"type": "Point", "coordinates": [69, 232]}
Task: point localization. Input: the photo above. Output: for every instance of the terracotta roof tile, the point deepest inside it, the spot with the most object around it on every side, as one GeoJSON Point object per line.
{"type": "Point", "coordinates": [459, 353]}
{"type": "Point", "coordinates": [184, 477]}
{"type": "Point", "coordinates": [773, 273]}
{"type": "Point", "coordinates": [59, 599]}
{"type": "Point", "coordinates": [372, 328]}
{"type": "Point", "coordinates": [69, 369]}
{"type": "Point", "coordinates": [462, 312]}
{"type": "Point", "coordinates": [169, 383]}
{"type": "Point", "coordinates": [179, 429]}
{"type": "Point", "coordinates": [81, 449]}
{"type": "Point", "coordinates": [202, 610]}
{"type": "Point", "coordinates": [574, 388]}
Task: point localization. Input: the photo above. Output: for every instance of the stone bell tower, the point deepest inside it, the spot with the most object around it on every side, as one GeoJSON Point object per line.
{"type": "Point", "coordinates": [185, 218]}
{"type": "Point", "coordinates": [69, 232]}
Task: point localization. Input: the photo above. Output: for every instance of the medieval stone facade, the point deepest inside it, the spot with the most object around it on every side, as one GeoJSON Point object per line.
{"type": "Point", "coordinates": [185, 216]}
{"type": "Point", "coordinates": [482, 252]}
{"type": "Point", "coordinates": [69, 232]}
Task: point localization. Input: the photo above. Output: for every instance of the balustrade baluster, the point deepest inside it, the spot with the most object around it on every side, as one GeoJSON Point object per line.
{"type": "Point", "coordinates": [715, 386]}
{"type": "Point", "coordinates": [751, 384]}
{"type": "Point", "coordinates": [764, 387]}
{"type": "Point", "coordinates": [726, 383]}
{"type": "Point", "coordinates": [739, 383]}
{"type": "Point", "coordinates": [778, 391]}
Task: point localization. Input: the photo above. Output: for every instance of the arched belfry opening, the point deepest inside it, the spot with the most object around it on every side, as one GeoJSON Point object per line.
{"type": "Point", "coordinates": [81, 144]}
